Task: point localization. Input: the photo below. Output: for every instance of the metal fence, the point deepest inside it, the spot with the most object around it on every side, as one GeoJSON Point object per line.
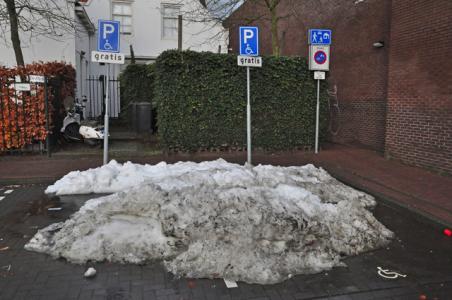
{"type": "Point", "coordinates": [24, 114]}
{"type": "Point", "coordinates": [95, 104]}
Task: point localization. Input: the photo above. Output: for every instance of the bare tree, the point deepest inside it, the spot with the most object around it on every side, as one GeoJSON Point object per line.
{"type": "Point", "coordinates": [50, 18]}
{"type": "Point", "coordinates": [220, 10]}
{"type": "Point", "coordinates": [271, 11]}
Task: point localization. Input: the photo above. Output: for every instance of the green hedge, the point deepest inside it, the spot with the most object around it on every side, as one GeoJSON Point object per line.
{"type": "Point", "coordinates": [201, 102]}
{"type": "Point", "coordinates": [137, 84]}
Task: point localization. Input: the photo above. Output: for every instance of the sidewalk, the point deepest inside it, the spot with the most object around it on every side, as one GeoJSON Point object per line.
{"type": "Point", "coordinates": [421, 191]}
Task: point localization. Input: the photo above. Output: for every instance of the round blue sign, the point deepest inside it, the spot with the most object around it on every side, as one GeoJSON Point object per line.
{"type": "Point", "coordinates": [320, 57]}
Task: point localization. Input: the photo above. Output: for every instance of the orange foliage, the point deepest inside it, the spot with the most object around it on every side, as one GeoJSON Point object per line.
{"type": "Point", "coordinates": [22, 114]}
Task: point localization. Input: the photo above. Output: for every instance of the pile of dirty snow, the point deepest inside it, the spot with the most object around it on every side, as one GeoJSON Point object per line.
{"type": "Point", "coordinates": [258, 224]}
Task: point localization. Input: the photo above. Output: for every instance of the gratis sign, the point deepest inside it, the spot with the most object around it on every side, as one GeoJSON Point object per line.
{"type": "Point", "coordinates": [108, 43]}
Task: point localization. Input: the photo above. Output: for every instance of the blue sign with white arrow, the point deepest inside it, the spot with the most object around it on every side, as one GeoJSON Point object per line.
{"type": "Point", "coordinates": [249, 41]}
{"type": "Point", "coordinates": [109, 38]}
{"type": "Point", "coordinates": [320, 36]}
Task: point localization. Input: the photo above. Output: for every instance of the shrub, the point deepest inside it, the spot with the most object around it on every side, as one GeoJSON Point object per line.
{"type": "Point", "coordinates": [201, 102]}
{"type": "Point", "coordinates": [137, 84]}
{"type": "Point", "coordinates": [22, 114]}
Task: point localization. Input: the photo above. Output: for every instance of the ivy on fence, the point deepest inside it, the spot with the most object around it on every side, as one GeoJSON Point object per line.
{"type": "Point", "coordinates": [201, 102]}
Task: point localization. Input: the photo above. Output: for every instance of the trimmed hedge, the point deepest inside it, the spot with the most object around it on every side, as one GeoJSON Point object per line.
{"type": "Point", "coordinates": [137, 84]}
{"type": "Point", "coordinates": [201, 102]}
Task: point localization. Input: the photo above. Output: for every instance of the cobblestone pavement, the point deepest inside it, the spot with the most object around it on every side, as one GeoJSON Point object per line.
{"type": "Point", "coordinates": [420, 251]}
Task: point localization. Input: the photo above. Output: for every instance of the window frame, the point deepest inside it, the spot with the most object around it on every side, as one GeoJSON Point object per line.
{"type": "Point", "coordinates": [129, 3]}
{"type": "Point", "coordinates": [163, 17]}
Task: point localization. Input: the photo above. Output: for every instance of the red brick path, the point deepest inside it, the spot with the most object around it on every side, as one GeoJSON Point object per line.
{"type": "Point", "coordinates": [425, 192]}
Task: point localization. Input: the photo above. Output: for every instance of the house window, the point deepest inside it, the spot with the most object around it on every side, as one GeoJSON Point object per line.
{"type": "Point", "coordinates": [122, 12]}
{"type": "Point", "coordinates": [169, 21]}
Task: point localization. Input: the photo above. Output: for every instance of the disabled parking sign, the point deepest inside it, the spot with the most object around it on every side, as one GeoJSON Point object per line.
{"type": "Point", "coordinates": [108, 39]}
{"type": "Point", "coordinates": [249, 41]}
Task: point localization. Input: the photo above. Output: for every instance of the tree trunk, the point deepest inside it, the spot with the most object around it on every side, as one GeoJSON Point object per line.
{"type": "Point", "coordinates": [272, 7]}
{"type": "Point", "coordinates": [14, 27]}
{"type": "Point", "coordinates": [275, 37]}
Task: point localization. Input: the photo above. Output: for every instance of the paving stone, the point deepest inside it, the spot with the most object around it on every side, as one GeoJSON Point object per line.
{"type": "Point", "coordinates": [38, 276]}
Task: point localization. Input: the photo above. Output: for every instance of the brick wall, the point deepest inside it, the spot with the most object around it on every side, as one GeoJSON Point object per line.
{"type": "Point", "coordinates": [396, 99]}
{"type": "Point", "coordinates": [419, 110]}
{"type": "Point", "coordinates": [358, 70]}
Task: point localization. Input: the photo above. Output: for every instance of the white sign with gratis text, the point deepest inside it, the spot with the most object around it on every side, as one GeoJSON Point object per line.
{"type": "Point", "coordinates": [107, 57]}
{"type": "Point", "coordinates": [249, 61]}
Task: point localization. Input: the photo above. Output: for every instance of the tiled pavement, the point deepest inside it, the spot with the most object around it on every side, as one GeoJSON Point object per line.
{"type": "Point", "coordinates": [420, 251]}
{"type": "Point", "coordinates": [419, 190]}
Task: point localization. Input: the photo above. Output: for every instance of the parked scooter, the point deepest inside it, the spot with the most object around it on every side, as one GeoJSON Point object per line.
{"type": "Point", "coordinates": [75, 129]}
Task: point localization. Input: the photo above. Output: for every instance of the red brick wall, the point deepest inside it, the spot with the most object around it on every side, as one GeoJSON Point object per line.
{"type": "Point", "coordinates": [357, 69]}
{"type": "Point", "coordinates": [419, 111]}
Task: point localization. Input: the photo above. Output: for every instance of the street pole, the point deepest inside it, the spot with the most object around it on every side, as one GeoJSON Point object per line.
{"type": "Point", "coordinates": [248, 115]}
{"type": "Point", "coordinates": [179, 32]}
{"type": "Point", "coordinates": [317, 118]}
{"type": "Point", "coordinates": [106, 118]}
{"type": "Point", "coordinates": [46, 103]}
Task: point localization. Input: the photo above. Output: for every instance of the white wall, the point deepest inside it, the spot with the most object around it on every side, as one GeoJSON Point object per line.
{"type": "Point", "coordinates": [37, 48]}
{"type": "Point", "coordinates": [146, 39]}
{"type": "Point", "coordinates": [146, 36]}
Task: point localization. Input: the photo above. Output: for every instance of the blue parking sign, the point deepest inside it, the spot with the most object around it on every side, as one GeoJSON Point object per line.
{"type": "Point", "coordinates": [108, 39]}
{"type": "Point", "coordinates": [320, 36]}
{"type": "Point", "coordinates": [249, 41]}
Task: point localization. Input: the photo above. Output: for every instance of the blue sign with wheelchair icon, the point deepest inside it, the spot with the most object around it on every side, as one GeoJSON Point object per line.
{"type": "Point", "coordinates": [108, 39]}
{"type": "Point", "coordinates": [249, 41]}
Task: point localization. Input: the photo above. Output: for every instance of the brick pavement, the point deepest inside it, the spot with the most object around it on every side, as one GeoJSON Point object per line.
{"type": "Point", "coordinates": [420, 251]}
{"type": "Point", "coordinates": [419, 190]}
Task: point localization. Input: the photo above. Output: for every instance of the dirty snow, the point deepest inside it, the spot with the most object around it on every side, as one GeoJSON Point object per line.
{"type": "Point", "coordinates": [260, 224]}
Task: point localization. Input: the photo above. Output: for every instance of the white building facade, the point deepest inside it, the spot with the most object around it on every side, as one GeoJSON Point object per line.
{"type": "Point", "coordinates": [149, 26]}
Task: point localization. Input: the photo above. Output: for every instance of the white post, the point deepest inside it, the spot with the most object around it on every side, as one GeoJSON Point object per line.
{"type": "Point", "coordinates": [248, 115]}
{"type": "Point", "coordinates": [106, 119]}
{"type": "Point", "coordinates": [317, 118]}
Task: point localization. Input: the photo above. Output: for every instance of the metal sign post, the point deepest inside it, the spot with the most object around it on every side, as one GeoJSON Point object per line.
{"type": "Point", "coordinates": [249, 51]}
{"type": "Point", "coordinates": [318, 75]}
{"type": "Point", "coordinates": [319, 60]}
{"type": "Point", "coordinates": [248, 115]}
{"type": "Point", "coordinates": [317, 117]}
{"type": "Point", "coordinates": [108, 47]}
{"type": "Point", "coordinates": [106, 116]}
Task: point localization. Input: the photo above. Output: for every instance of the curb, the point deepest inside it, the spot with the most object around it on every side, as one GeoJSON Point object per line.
{"type": "Point", "coordinates": [20, 181]}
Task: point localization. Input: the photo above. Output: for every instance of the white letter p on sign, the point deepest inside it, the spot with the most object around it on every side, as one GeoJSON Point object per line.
{"type": "Point", "coordinates": [108, 29]}
{"type": "Point", "coordinates": [247, 34]}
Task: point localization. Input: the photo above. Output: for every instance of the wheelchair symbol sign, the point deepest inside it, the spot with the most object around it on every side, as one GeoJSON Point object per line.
{"type": "Point", "coordinates": [249, 41]}
{"type": "Point", "coordinates": [108, 39]}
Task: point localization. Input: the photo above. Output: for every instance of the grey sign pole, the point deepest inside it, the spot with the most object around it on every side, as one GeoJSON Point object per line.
{"type": "Point", "coordinates": [248, 115]}
{"type": "Point", "coordinates": [106, 119]}
{"type": "Point", "coordinates": [317, 118]}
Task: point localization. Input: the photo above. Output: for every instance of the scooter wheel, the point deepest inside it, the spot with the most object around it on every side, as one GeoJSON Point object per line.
{"type": "Point", "coordinates": [72, 131]}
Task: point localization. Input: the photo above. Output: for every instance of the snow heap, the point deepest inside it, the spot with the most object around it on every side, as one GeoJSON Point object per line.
{"type": "Point", "coordinates": [258, 224]}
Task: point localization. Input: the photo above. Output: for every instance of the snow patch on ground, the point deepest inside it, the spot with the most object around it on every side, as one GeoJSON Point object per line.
{"type": "Point", "coordinates": [259, 224]}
